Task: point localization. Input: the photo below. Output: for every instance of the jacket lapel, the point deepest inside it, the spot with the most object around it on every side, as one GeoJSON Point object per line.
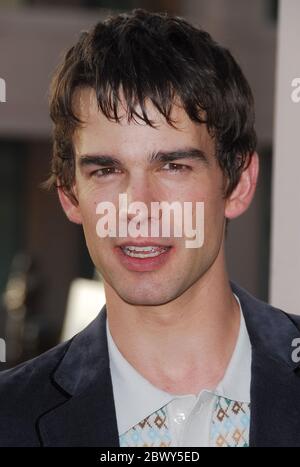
{"type": "Point", "coordinates": [87, 417]}
{"type": "Point", "coordinates": [275, 384]}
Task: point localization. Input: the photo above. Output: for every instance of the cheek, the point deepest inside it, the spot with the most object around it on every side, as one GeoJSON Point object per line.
{"type": "Point", "coordinates": [214, 214]}
{"type": "Point", "coordinates": [89, 218]}
{"type": "Point", "coordinates": [214, 222]}
{"type": "Point", "coordinates": [91, 195]}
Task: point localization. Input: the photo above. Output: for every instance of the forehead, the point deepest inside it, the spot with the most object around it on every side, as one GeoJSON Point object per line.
{"type": "Point", "coordinates": [98, 133]}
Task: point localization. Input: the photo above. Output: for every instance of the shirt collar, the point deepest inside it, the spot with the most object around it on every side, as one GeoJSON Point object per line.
{"type": "Point", "coordinates": [136, 398]}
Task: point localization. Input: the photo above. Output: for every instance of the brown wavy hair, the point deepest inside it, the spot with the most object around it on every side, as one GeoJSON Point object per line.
{"type": "Point", "coordinates": [162, 58]}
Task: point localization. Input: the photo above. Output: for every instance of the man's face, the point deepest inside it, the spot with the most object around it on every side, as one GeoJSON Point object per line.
{"type": "Point", "coordinates": [138, 172]}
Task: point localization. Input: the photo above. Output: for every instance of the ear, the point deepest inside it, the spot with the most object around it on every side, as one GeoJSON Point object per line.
{"type": "Point", "coordinates": [240, 199]}
{"type": "Point", "coordinates": [71, 209]}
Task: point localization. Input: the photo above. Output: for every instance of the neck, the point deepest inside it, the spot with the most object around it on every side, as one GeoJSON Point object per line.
{"type": "Point", "coordinates": [185, 345]}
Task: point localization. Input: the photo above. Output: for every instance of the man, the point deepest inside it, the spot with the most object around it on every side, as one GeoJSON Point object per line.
{"type": "Point", "coordinates": [147, 106]}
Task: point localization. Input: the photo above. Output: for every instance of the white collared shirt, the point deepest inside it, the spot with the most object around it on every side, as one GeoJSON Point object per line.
{"type": "Point", "coordinates": [189, 416]}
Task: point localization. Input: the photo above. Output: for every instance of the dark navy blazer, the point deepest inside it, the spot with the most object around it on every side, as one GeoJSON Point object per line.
{"type": "Point", "coordinates": [64, 397]}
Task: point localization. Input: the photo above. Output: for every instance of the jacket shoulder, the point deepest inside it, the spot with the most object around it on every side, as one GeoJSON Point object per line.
{"type": "Point", "coordinates": [26, 392]}
{"type": "Point", "coordinates": [294, 318]}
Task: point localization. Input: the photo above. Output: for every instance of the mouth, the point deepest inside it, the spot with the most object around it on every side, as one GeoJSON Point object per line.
{"type": "Point", "coordinates": [151, 251]}
{"type": "Point", "coordinates": [143, 257]}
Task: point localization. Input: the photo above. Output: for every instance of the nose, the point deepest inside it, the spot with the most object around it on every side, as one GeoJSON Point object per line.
{"type": "Point", "coordinates": [140, 194]}
{"type": "Point", "coordinates": [139, 189]}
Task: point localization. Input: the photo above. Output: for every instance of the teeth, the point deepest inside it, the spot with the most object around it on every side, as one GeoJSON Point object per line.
{"type": "Point", "coordinates": [140, 248]}
{"type": "Point", "coordinates": [143, 251]}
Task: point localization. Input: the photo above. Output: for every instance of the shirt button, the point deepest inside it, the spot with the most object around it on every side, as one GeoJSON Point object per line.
{"type": "Point", "coordinates": [179, 418]}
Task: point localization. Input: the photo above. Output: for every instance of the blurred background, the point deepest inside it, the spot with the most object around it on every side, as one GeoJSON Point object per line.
{"type": "Point", "coordinates": [45, 270]}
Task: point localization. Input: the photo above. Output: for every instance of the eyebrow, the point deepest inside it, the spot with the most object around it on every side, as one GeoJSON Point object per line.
{"type": "Point", "coordinates": [103, 160]}
{"type": "Point", "coordinates": [161, 156]}
{"type": "Point", "coordinates": [190, 153]}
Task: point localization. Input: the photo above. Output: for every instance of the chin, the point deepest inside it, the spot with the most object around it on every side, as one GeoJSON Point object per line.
{"type": "Point", "coordinates": [145, 298]}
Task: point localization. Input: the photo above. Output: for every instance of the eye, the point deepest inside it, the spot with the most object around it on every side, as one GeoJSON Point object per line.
{"type": "Point", "coordinates": [173, 167]}
{"type": "Point", "coordinates": [105, 172]}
